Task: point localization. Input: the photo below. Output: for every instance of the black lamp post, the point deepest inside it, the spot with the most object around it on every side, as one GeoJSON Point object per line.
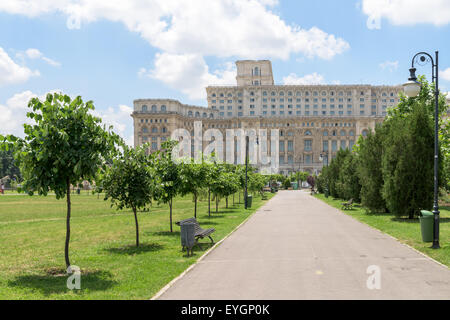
{"type": "Point", "coordinates": [412, 89]}
{"type": "Point", "coordinates": [246, 169]}
{"type": "Point", "coordinates": [325, 153]}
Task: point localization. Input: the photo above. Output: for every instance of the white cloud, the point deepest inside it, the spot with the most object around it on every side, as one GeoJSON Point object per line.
{"type": "Point", "coordinates": [13, 114]}
{"type": "Point", "coordinates": [189, 73]}
{"type": "Point", "coordinates": [293, 79]}
{"type": "Point", "coordinates": [407, 12]}
{"type": "Point", "coordinates": [33, 53]}
{"type": "Point", "coordinates": [445, 74]}
{"type": "Point", "coordinates": [245, 28]}
{"type": "Point", "coordinates": [389, 65]}
{"type": "Point", "coordinates": [120, 119]}
{"type": "Point", "coordinates": [188, 31]}
{"type": "Point", "coordinates": [11, 72]}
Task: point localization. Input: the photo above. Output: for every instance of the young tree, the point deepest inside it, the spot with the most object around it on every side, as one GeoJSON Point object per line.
{"type": "Point", "coordinates": [369, 169]}
{"type": "Point", "coordinates": [301, 176]}
{"type": "Point", "coordinates": [348, 178]}
{"type": "Point", "coordinates": [168, 173]}
{"type": "Point", "coordinates": [193, 179]}
{"type": "Point", "coordinates": [408, 162]}
{"type": "Point", "coordinates": [131, 182]}
{"type": "Point", "coordinates": [257, 182]}
{"type": "Point", "coordinates": [66, 145]}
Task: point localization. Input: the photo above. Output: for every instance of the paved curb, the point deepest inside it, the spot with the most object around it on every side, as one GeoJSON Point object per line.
{"type": "Point", "coordinates": [391, 236]}
{"type": "Point", "coordinates": [171, 283]}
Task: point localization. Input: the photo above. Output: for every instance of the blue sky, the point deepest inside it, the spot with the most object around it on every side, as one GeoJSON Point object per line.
{"type": "Point", "coordinates": [115, 52]}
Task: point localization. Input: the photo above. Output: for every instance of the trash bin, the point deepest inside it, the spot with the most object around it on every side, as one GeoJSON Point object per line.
{"type": "Point", "coordinates": [249, 201]}
{"type": "Point", "coordinates": [426, 225]}
{"type": "Point", "coordinates": [78, 191]}
{"type": "Point", "coordinates": [187, 231]}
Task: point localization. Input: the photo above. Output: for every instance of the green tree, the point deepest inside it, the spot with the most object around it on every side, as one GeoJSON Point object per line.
{"type": "Point", "coordinates": [168, 173]}
{"type": "Point", "coordinates": [8, 166]}
{"type": "Point", "coordinates": [131, 182]}
{"type": "Point", "coordinates": [369, 169]}
{"type": "Point", "coordinates": [66, 145]}
{"type": "Point", "coordinates": [257, 182]}
{"type": "Point", "coordinates": [349, 185]}
{"type": "Point", "coordinates": [408, 162]}
{"type": "Point", "coordinates": [300, 177]}
{"type": "Point", "coordinates": [193, 179]}
{"type": "Point", "coordinates": [333, 173]}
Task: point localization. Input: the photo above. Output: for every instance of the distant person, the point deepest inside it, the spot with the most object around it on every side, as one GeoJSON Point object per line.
{"type": "Point", "coordinates": [2, 188]}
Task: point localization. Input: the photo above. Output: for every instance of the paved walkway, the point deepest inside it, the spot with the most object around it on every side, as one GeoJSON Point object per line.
{"type": "Point", "coordinates": [297, 247]}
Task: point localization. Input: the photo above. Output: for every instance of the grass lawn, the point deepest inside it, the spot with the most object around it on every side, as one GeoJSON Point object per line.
{"type": "Point", "coordinates": [405, 230]}
{"type": "Point", "coordinates": [32, 235]}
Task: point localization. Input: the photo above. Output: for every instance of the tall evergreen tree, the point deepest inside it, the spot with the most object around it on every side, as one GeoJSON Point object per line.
{"type": "Point", "coordinates": [369, 154]}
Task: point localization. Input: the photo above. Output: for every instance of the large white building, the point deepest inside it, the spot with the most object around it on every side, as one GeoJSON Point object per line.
{"type": "Point", "coordinates": [313, 120]}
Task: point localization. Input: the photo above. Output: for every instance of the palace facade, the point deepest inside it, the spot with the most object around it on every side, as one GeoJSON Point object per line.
{"type": "Point", "coordinates": [315, 121]}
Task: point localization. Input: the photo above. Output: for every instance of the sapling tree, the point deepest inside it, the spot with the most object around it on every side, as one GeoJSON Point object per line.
{"type": "Point", "coordinates": [130, 181]}
{"type": "Point", "coordinates": [192, 177]}
{"type": "Point", "coordinates": [65, 145]}
{"type": "Point", "coordinates": [168, 173]}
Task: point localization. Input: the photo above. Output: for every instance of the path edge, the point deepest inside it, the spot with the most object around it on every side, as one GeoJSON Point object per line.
{"type": "Point", "coordinates": [389, 235]}
{"type": "Point", "coordinates": [171, 283]}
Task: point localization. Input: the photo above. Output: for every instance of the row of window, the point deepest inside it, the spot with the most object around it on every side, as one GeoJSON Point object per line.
{"type": "Point", "coordinates": [154, 108]}
{"type": "Point", "coordinates": [154, 130]}
{"type": "Point", "coordinates": [305, 93]}
{"type": "Point", "coordinates": [153, 120]}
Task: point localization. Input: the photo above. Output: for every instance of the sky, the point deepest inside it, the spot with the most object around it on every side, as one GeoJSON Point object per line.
{"type": "Point", "coordinates": [113, 52]}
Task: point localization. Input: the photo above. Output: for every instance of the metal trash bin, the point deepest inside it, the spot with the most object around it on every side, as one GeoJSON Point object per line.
{"type": "Point", "coordinates": [249, 201]}
{"type": "Point", "coordinates": [187, 231]}
{"type": "Point", "coordinates": [426, 225]}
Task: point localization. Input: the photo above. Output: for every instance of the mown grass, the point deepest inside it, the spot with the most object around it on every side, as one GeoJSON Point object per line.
{"type": "Point", "coordinates": [32, 234]}
{"type": "Point", "coordinates": [405, 230]}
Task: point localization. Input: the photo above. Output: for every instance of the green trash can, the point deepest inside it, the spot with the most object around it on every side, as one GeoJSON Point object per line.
{"type": "Point", "coordinates": [249, 201]}
{"type": "Point", "coordinates": [426, 225]}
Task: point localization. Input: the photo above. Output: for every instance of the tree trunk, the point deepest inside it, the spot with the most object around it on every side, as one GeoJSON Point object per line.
{"type": "Point", "coordinates": [170, 206]}
{"type": "Point", "coordinates": [209, 201]}
{"type": "Point", "coordinates": [233, 199]}
{"type": "Point", "coordinates": [226, 200]}
{"type": "Point", "coordinates": [66, 248]}
{"type": "Point", "coordinates": [195, 206]}
{"type": "Point", "coordinates": [217, 203]}
{"type": "Point", "coordinates": [239, 197]}
{"type": "Point", "coordinates": [137, 226]}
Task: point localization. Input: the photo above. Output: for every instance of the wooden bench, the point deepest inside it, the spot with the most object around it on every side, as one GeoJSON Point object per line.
{"type": "Point", "coordinates": [199, 232]}
{"type": "Point", "coordinates": [347, 205]}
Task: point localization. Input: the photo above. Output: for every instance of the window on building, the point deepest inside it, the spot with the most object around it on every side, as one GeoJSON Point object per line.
{"type": "Point", "coordinates": [290, 145]}
{"type": "Point", "coordinates": [308, 145]}
{"type": "Point", "coordinates": [334, 145]}
{"type": "Point", "coordinates": [325, 145]}
{"type": "Point", "coordinates": [307, 159]}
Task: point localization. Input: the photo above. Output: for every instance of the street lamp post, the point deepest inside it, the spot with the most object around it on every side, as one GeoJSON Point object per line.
{"type": "Point", "coordinates": [246, 169]}
{"type": "Point", "coordinates": [325, 153]}
{"type": "Point", "coordinates": [412, 89]}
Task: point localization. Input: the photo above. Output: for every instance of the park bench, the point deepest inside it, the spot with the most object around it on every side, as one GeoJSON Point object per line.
{"type": "Point", "coordinates": [347, 205]}
{"type": "Point", "coordinates": [199, 232]}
